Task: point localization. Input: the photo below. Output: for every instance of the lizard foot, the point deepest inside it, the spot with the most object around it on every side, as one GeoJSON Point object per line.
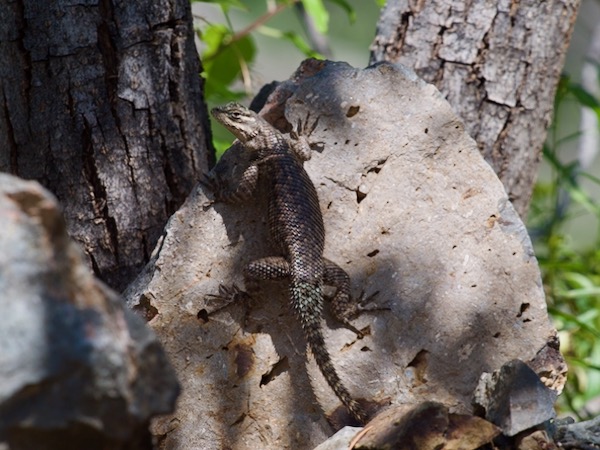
{"type": "Point", "coordinates": [299, 139]}
{"type": "Point", "coordinates": [364, 300]}
{"type": "Point", "coordinates": [226, 296]}
{"type": "Point", "coordinates": [351, 310]}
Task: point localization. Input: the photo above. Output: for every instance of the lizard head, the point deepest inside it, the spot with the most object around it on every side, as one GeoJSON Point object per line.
{"type": "Point", "coordinates": [238, 119]}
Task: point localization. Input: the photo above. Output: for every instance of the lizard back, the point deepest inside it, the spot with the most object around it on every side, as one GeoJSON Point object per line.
{"type": "Point", "coordinates": [295, 219]}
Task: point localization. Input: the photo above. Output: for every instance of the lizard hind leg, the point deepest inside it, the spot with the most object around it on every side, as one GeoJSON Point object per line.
{"type": "Point", "coordinates": [270, 268]}
{"type": "Point", "coordinates": [263, 269]}
{"type": "Point", "coordinates": [227, 296]}
{"type": "Point", "coordinates": [343, 306]}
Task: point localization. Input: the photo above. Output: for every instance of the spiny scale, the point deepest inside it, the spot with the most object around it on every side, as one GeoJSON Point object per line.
{"type": "Point", "coordinates": [296, 227]}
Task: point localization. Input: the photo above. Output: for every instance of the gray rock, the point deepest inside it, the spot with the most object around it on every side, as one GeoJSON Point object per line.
{"type": "Point", "coordinates": [411, 210]}
{"type": "Point", "coordinates": [340, 440]}
{"type": "Point", "coordinates": [77, 369]}
{"type": "Point", "coordinates": [515, 399]}
{"type": "Point", "coordinates": [580, 435]}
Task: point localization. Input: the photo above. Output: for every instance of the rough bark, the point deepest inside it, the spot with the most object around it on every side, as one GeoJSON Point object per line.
{"type": "Point", "coordinates": [101, 102]}
{"type": "Point", "coordinates": [496, 62]}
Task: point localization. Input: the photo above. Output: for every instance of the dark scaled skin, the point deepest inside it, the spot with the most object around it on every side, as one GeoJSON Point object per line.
{"type": "Point", "coordinates": [296, 227]}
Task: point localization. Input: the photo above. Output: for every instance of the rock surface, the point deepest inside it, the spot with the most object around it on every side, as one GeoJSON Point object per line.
{"type": "Point", "coordinates": [77, 369]}
{"type": "Point", "coordinates": [515, 399]}
{"type": "Point", "coordinates": [411, 210]}
{"type": "Point", "coordinates": [580, 435]}
{"type": "Point", "coordinates": [427, 426]}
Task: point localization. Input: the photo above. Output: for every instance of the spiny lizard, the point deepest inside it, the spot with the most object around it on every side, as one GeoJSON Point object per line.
{"type": "Point", "coordinates": [296, 227]}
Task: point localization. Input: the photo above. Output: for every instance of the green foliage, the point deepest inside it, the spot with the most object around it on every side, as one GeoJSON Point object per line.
{"type": "Point", "coordinates": [316, 10]}
{"type": "Point", "coordinates": [224, 59]}
{"type": "Point", "coordinates": [294, 38]}
{"type": "Point", "coordinates": [571, 278]}
{"type": "Point", "coordinates": [225, 4]}
{"type": "Point", "coordinates": [227, 55]}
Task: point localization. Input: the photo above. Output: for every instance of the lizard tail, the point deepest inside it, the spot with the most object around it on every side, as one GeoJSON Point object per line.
{"type": "Point", "coordinates": [308, 302]}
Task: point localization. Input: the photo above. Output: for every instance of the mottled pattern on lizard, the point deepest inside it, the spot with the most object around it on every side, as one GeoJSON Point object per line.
{"type": "Point", "coordinates": [296, 227]}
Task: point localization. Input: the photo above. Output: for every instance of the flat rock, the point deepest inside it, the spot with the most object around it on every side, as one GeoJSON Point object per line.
{"type": "Point", "coordinates": [427, 426]}
{"type": "Point", "coordinates": [411, 210]}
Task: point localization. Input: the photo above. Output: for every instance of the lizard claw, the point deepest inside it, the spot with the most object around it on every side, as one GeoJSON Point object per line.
{"type": "Point", "coordinates": [226, 296]}
{"type": "Point", "coordinates": [356, 308]}
{"type": "Point", "coordinates": [300, 143]}
{"type": "Point", "coordinates": [313, 145]}
{"type": "Point", "coordinates": [233, 292]}
{"type": "Point", "coordinates": [301, 127]}
{"type": "Point", "coordinates": [364, 300]}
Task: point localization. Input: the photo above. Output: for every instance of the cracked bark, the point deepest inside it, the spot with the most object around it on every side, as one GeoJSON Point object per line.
{"type": "Point", "coordinates": [497, 63]}
{"type": "Point", "coordinates": [102, 104]}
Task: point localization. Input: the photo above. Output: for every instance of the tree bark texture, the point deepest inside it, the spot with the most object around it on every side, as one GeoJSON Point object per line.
{"type": "Point", "coordinates": [101, 101]}
{"type": "Point", "coordinates": [497, 63]}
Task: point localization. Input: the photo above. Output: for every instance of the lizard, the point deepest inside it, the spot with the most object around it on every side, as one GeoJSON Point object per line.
{"type": "Point", "coordinates": [296, 226]}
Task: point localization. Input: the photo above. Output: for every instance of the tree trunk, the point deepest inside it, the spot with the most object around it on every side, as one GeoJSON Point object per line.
{"type": "Point", "coordinates": [497, 63]}
{"type": "Point", "coordinates": [101, 102]}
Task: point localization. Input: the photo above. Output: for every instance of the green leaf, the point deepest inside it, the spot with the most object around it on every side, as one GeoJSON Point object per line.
{"type": "Point", "coordinates": [570, 137]}
{"type": "Point", "coordinates": [217, 92]}
{"type": "Point", "coordinates": [579, 280]}
{"type": "Point", "coordinates": [294, 38]}
{"type": "Point", "coordinates": [570, 318]}
{"type": "Point", "coordinates": [223, 61]}
{"type": "Point", "coordinates": [583, 363]}
{"type": "Point", "coordinates": [316, 10]}
{"type": "Point", "coordinates": [346, 7]}
{"type": "Point", "coordinates": [591, 177]}
{"type": "Point", "coordinates": [213, 37]}
{"type": "Point", "coordinates": [583, 96]}
{"type": "Point", "coordinates": [380, 3]}
{"type": "Point", "coordinates": [225, 4]}
{"type": "Point", "coordinates": [584, 200]}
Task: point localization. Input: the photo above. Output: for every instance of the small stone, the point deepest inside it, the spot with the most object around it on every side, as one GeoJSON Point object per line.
{"type": "Point", "coordinates": [538, 440]}
{"type": "Point", "coordinates": [519, 400]}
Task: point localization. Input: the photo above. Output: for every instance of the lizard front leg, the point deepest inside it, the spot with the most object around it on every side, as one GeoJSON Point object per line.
{"type": "Point", "coordinates": [235, 192]}
{"type": "Point", "coordinates": [299, 139]}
